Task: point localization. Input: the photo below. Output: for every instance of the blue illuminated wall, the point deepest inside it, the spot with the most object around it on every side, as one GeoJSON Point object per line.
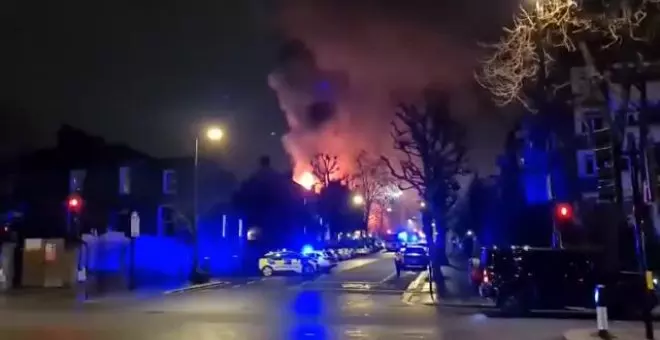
{"type": "Point", "coordinates": [169, 259]}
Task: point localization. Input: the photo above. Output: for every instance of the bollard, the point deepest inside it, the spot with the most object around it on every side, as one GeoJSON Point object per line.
{"type": "Point", "coordinates": [600, 299]}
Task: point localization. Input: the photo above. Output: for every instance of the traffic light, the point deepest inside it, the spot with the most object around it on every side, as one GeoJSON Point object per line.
{"type": "Point", "coordinates": [606, 156]}
{"type": "Point", "coordinates": [74, 203]}
{"type": "Point", "coordinates": [563, 212]}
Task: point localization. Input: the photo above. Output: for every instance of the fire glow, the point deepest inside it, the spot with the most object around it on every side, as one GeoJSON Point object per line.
{"type": "Point", "coordinates": [306, 180]}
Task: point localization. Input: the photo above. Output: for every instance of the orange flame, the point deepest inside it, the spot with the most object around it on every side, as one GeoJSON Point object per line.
{"type": "Point", "coordinates": [306, 180]}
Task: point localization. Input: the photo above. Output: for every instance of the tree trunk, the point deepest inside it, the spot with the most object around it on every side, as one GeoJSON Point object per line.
{"type": "Point", "coordinates": [436, 252]}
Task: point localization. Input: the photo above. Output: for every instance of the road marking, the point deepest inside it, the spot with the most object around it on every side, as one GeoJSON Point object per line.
{"type": "Point", "coordinates": [350, 285]}
{"type": "Point", "coordinates": [408, 294]}
{"type": "Point", "coordinates": [357, 263]}
{"type": "Point", "coordinates": [349, 290]}
{"type": "Point", "coordinates": [388, 277]}
{"type": "Point", "coordinates": [196, 287]}
{"type": "Point", "coordinates": [250, 282]}
{"type": "Point", "coordinates": [235, 286]}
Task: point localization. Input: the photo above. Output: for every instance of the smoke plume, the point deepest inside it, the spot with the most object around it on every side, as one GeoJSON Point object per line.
{"type": "Point", "coordinates": [347, 63]}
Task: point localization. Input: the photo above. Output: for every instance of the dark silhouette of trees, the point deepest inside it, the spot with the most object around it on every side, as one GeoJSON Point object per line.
{"type": "Point", "coordinates": [334, 194]}
{"type": "Point", "coordinates": [325, 168]}
{"type": "Point", "coordinates": [432, 153]}
{"type": "Point", "coordinates": [273, 203]}
{"type": "Point", "coordinates": [335, 208]}
{"type": "Point", "coordinates": [371, 180]}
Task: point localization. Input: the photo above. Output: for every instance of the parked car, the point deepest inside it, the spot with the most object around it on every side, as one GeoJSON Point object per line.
{"type": "Point", "coordinates": [411, 258]}
{"type": "Point", "coordinates": [332, 254]}
{"type": "Point", "coordinates": [325, 263]}
{"type": "Point", "coordinates": [287, 262]}
{"type": "Point", "coordinates": [362, 251]}
{"type": "Point", "coordinates": [520, 279]}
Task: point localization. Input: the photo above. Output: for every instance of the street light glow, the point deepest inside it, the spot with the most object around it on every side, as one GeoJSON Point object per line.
{"type": "Point", "coordinates": [214, 133]}
{"type": "Point", "coordinates": [422, 204]}
{"type": "Point", "coordinates": [389, 209]}
{"type": "Point", "coordinates": [358, 199]}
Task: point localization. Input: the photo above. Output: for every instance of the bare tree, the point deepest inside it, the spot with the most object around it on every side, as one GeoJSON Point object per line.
{"type": "Point", "coordinates": [371, 180]}
{"type": "Point", "coordinates": [325, 168]}
{"type": "Point", "coordinates": [432, 154]}
{"type": "Point", "coordinates": [554, 26]}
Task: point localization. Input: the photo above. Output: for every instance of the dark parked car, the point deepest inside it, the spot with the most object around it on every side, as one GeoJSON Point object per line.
{"type": "Point", "coordinates": [519, 279]}
{"type": "Point", "coordinates": [411, 258]}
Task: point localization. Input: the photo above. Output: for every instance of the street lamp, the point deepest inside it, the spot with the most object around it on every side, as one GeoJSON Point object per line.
{"type": "Point", "coordinates": [358, 199]}
{"type": "Point", "coordinates": [214, 134]}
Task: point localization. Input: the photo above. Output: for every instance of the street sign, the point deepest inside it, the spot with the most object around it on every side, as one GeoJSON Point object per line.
{"type": "Point", "coordinates": [135, 224]}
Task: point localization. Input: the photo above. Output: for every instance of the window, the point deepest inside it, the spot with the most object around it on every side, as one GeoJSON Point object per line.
{"type": "Point", "coordinates": [591, 121]}
{"type": "Point", "coordinates": [76, 180]}
{"type": "Point", "coordinates": [589, 165]}
{"type": "Point", "coordinates": [166, 220]}
{"type": "Point", "coordinates": [586, 163]}
{"type": "Point", "coordinates": [596, 124]}
{"type": "Point", "coordinates": [124, 180]}
{"type": "Point", "coordinates": [169, 181]}
{"type": "Point", "coordinates": [591, 124]}
{"type": "Point", "coordinates": [625, 163]}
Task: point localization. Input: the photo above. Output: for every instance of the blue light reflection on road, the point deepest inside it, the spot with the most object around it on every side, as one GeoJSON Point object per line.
{"type": "Point", "coordinates": [308, 331]}
{"type": "Point", "coordinates": [308, 304]}
{"type": "Point", "coordinates": [306, 323]}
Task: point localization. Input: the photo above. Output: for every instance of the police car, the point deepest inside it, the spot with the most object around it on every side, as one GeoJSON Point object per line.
{"type": "Point", "coordinates": [287, 262]}
{"type": "Point", "coordinates": [323, 260]}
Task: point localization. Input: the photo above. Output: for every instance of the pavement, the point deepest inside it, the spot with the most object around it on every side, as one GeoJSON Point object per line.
{"type": "Point", "coordinates": [619, 333]}
{"type": "Point", "coordinates": [361, 299]}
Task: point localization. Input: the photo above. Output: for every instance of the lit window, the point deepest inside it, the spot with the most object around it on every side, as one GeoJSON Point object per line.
{"type": "Point", "coordinates": [169, 181]}
{"type": "Point", "coordinates": [124, 180]}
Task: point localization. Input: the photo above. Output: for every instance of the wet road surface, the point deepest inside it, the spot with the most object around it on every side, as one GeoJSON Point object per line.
{"type": "Point", "coordinates": [280, 308]}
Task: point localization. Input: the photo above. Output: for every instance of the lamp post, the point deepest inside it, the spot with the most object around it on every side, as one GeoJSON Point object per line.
{"type": "Point", "coordinates": [213, 134]}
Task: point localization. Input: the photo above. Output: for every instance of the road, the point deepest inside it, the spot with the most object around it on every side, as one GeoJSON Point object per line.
{"type": "Point", "coordinates": [281, 308]}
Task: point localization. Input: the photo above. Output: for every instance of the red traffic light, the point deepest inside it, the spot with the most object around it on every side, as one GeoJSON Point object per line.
{"type": "Point", "coordinates": [564, 211]}
{"type": "Point", "coordinates": [74, 203]}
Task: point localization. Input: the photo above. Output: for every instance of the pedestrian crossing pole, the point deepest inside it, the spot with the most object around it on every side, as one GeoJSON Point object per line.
{"type": "Point", "coordinates": [601, 312]}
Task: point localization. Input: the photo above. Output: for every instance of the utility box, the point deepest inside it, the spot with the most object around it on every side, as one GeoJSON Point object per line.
{"type": "Point", "coordinates": [48, 263]}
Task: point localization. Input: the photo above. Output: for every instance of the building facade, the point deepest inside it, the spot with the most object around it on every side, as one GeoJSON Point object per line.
{"type": "Point", "coordinates": [112, 181]}
{"type": "Point", "coordinates": [588, 120]}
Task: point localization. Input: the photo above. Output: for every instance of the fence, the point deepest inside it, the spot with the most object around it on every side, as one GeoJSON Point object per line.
{"type": "Point", "coordinates": [161, 261]}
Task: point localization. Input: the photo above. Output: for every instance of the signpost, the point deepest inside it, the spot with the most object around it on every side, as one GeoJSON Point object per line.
{"type": "Point", "coordinates": [135, 224]}
{"type": "Point", "coordinates": [135, 232]}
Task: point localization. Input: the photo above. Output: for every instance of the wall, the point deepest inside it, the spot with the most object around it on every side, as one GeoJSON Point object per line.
{"type": "Point", "coordinates": [166, 260]}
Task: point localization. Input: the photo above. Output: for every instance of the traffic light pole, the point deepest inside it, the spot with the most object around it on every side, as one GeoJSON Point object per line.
{"type": "Point", "coordinates": [640, 238]}
{"type": "Point", "coordinates": [195, 222]}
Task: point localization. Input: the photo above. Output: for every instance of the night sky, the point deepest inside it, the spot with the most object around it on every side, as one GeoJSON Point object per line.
{"type": "Point", "coordinates": [147, 73]}
{"type": "Point", "coordinates": [141, 73]}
